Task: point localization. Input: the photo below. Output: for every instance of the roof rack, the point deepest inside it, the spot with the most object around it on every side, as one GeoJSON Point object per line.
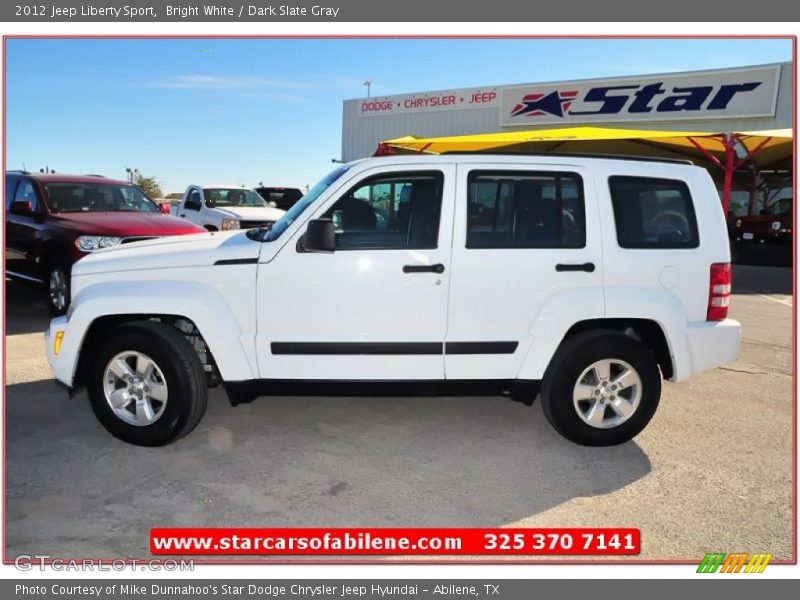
{"type": "Point", "coordinates": [18, 171]}
{"type": "Point", "coordinates": [95, 175]}
{"type": "Point", "coordinates": [680, 161]}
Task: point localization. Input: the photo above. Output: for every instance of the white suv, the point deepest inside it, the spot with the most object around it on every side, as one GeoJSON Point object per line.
{"type": "Point", "coordinates": [584, 280]}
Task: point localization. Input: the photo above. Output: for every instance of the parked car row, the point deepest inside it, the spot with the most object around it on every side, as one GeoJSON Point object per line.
{"type": "Point", "coordinates": [54, 220]}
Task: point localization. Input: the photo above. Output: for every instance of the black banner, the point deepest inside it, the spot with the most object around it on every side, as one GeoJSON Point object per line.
{"type": "Point", "coordinates": [144, 11]}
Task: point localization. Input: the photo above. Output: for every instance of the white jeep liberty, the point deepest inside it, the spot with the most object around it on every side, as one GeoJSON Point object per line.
{"type": "Point", "coordinates": [583, 280]}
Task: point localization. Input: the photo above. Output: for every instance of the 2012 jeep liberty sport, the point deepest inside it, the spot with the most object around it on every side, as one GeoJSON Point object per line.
{"type": "Point", "coordinates": [583, 280]}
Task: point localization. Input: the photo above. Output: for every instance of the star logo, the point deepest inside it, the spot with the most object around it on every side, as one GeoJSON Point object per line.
{"type": "Point", "coordinates": [534, 105]}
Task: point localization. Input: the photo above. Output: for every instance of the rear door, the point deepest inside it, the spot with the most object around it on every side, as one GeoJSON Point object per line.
{"type": "Point", "coordinates": [523, 234]}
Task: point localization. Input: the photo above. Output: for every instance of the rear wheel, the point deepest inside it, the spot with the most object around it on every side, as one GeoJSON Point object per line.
{"type": "Point", "coordinates": [602, 388]}
{"type": "Point", "coordinates": [145, 384]}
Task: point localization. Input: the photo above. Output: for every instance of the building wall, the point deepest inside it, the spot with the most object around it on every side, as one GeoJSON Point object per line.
{"type": "Point", "coordinates": [361, 135]}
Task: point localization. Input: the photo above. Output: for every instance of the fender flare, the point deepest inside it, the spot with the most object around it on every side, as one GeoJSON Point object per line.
{"type": "Point", "coordinates": [567, 309]}
{"type": "Point", "coordinates": [195, 302]}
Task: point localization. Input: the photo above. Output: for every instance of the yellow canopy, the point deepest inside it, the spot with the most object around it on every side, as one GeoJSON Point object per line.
{"type": "Point", "coordinates": [768, 147]}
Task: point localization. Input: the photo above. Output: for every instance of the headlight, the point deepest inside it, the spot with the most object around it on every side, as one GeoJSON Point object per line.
{"type": "Point", "coordinates": [90, 243]}
{"type": "Point", "coordinates": [738, 222]}
{"type": "Point", "coordinates": [230, 224]}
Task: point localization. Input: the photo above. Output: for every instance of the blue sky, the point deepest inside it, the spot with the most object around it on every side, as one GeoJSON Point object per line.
{"type": "Point", "coordinates": [242, 111]}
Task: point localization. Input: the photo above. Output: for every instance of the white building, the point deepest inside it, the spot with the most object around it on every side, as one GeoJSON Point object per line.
{"type": "Point", "coordinates": [724, 100]}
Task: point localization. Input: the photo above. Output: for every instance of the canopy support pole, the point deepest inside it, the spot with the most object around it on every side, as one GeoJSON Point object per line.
{"type": "Point", "coordinates": [728, 142]}
{"type": "Point", "coordinates": [728, 165]}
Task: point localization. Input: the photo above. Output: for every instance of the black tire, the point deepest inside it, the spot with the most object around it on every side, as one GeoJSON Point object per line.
{"type": "Point", "coordinates": [57, 299]}
{"type": "Point", "coordinates": [185, 380]}
{"type": "Point", "coordinates": [569, 363]}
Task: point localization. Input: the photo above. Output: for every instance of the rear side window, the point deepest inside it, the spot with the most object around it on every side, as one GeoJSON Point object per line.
{"type": "Point", "coordinates": [653, 213]}
{"type": "Point", "coordinates": [525, 209]}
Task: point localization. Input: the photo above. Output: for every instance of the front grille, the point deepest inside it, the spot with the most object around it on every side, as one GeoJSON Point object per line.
{"type": "Point", "coordinates": [757, 226]}
{"type": "Point", "coordinates": [254, 224]}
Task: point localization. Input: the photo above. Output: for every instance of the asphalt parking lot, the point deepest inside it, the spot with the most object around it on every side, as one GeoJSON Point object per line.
{"type": "Point", "coordinates": [712, 472]}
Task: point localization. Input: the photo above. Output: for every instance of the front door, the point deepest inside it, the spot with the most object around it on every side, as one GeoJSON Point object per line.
{"type": "Point", "coordinates": [375, 308]}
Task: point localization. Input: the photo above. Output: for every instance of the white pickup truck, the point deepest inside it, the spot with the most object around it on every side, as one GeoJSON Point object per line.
{"type": "Point", "coordinates": [223, 207]}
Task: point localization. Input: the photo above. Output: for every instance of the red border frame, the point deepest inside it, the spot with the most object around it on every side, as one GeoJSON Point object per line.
{"type": "Point", "coordinates": [511, 561]}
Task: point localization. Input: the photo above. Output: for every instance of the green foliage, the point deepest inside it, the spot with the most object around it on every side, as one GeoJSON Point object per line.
{"type": "Point", "coordinates": [149, 185]}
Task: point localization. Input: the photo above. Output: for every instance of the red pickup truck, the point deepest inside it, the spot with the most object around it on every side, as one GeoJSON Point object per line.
{"type": "Point", "coordinates": [53, 220]}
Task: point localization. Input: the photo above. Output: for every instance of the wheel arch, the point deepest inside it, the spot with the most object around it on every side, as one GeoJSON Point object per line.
{"type": "Point", "coordinates": [103, 324]}
{"type": "Point", "coordinates": [646, 331]}
{"type": "Point", "coordinates": [171, 302]}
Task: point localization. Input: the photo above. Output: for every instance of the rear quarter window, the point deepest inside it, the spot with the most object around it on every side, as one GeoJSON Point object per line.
{"type": "Point", "coordinates": [653, 213]}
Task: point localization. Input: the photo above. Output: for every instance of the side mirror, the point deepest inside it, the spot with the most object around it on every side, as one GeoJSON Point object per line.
{"type": "Point", "coordinates": [191, 205]}
{"type": "Point", "coordinates": [21, 207]}
{"type": "Point", "coordinates": [319, 236]}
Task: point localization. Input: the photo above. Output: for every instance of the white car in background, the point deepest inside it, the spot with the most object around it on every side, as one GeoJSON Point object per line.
{"type": "Point", "coordinates": [220, 207]}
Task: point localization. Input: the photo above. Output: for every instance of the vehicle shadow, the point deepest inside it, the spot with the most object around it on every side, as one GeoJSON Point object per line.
{"type": "Point", "coordinates": [72, 489]}
{"type": "Point", "coordinates": [26, 307]}
{"type": "Point", "coordinates": [763, 255]}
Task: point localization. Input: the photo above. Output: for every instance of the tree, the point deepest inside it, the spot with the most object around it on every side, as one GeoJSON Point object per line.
{"type": "Point", "coordinates": [149, 185]}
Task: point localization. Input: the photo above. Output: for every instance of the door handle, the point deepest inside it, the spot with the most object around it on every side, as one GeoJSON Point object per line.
{"type": "Point", "coordinates": [437, 268]}
{"type": "Point", "coordinates": [588, 267]}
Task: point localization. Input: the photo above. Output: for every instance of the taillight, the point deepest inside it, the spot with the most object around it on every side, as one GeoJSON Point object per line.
{"type": "Point", "coordinates": [719, 292]}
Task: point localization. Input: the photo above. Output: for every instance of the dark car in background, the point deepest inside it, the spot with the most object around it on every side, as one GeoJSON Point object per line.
{"type": "Point", "coordinates": [53, 220]}
{"type": "Point", "coordinates": [282, 197]}
{"type": "Point", "coordinates": [772, 226]}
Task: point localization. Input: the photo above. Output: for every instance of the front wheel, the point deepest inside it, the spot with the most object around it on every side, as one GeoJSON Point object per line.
{"type": "Point", "coordinates": [58, 289]}
{"type": "Point", "coordinates": [146, 384]}
{"type": "Point", "coordinates": [602, 389]}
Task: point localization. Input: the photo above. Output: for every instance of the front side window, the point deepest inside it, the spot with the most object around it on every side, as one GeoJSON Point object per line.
{"type": "Point", "coordinates": [193, 201]}
{"type": "Point", "coordinates": [390, 211]}
{"type": "Point", "coordinates": [97, 197]}
{"type": "Point", "coordinates": [653, 213]}
{"type": "Point", "coordinates": [26, 193]}
{"type": "Point", "coordinates": [232, 197]}
{"type": "Point", "coordinates": [525, 209]}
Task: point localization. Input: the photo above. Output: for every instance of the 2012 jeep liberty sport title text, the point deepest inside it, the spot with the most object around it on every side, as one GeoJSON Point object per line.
{"type": "Point", "coordinates": [581, 280]}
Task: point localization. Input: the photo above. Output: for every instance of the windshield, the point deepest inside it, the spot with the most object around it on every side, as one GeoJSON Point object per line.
{"type": "Point", "coordinates": [96, 197]}
{"type": "Point", "coordinates": [280, 195]}
{"type": "Point", "coordinates": [315, 192]}
{"type": "Point", "coordinates": [781, 207]}
{"type": "Point", "coordinates": [232, 197]}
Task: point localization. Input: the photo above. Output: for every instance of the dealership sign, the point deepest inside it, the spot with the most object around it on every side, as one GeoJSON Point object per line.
{"type": "Point", "coordinates": [739, 93]}
{"type": "Point", "coordinates": [429, 102]}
